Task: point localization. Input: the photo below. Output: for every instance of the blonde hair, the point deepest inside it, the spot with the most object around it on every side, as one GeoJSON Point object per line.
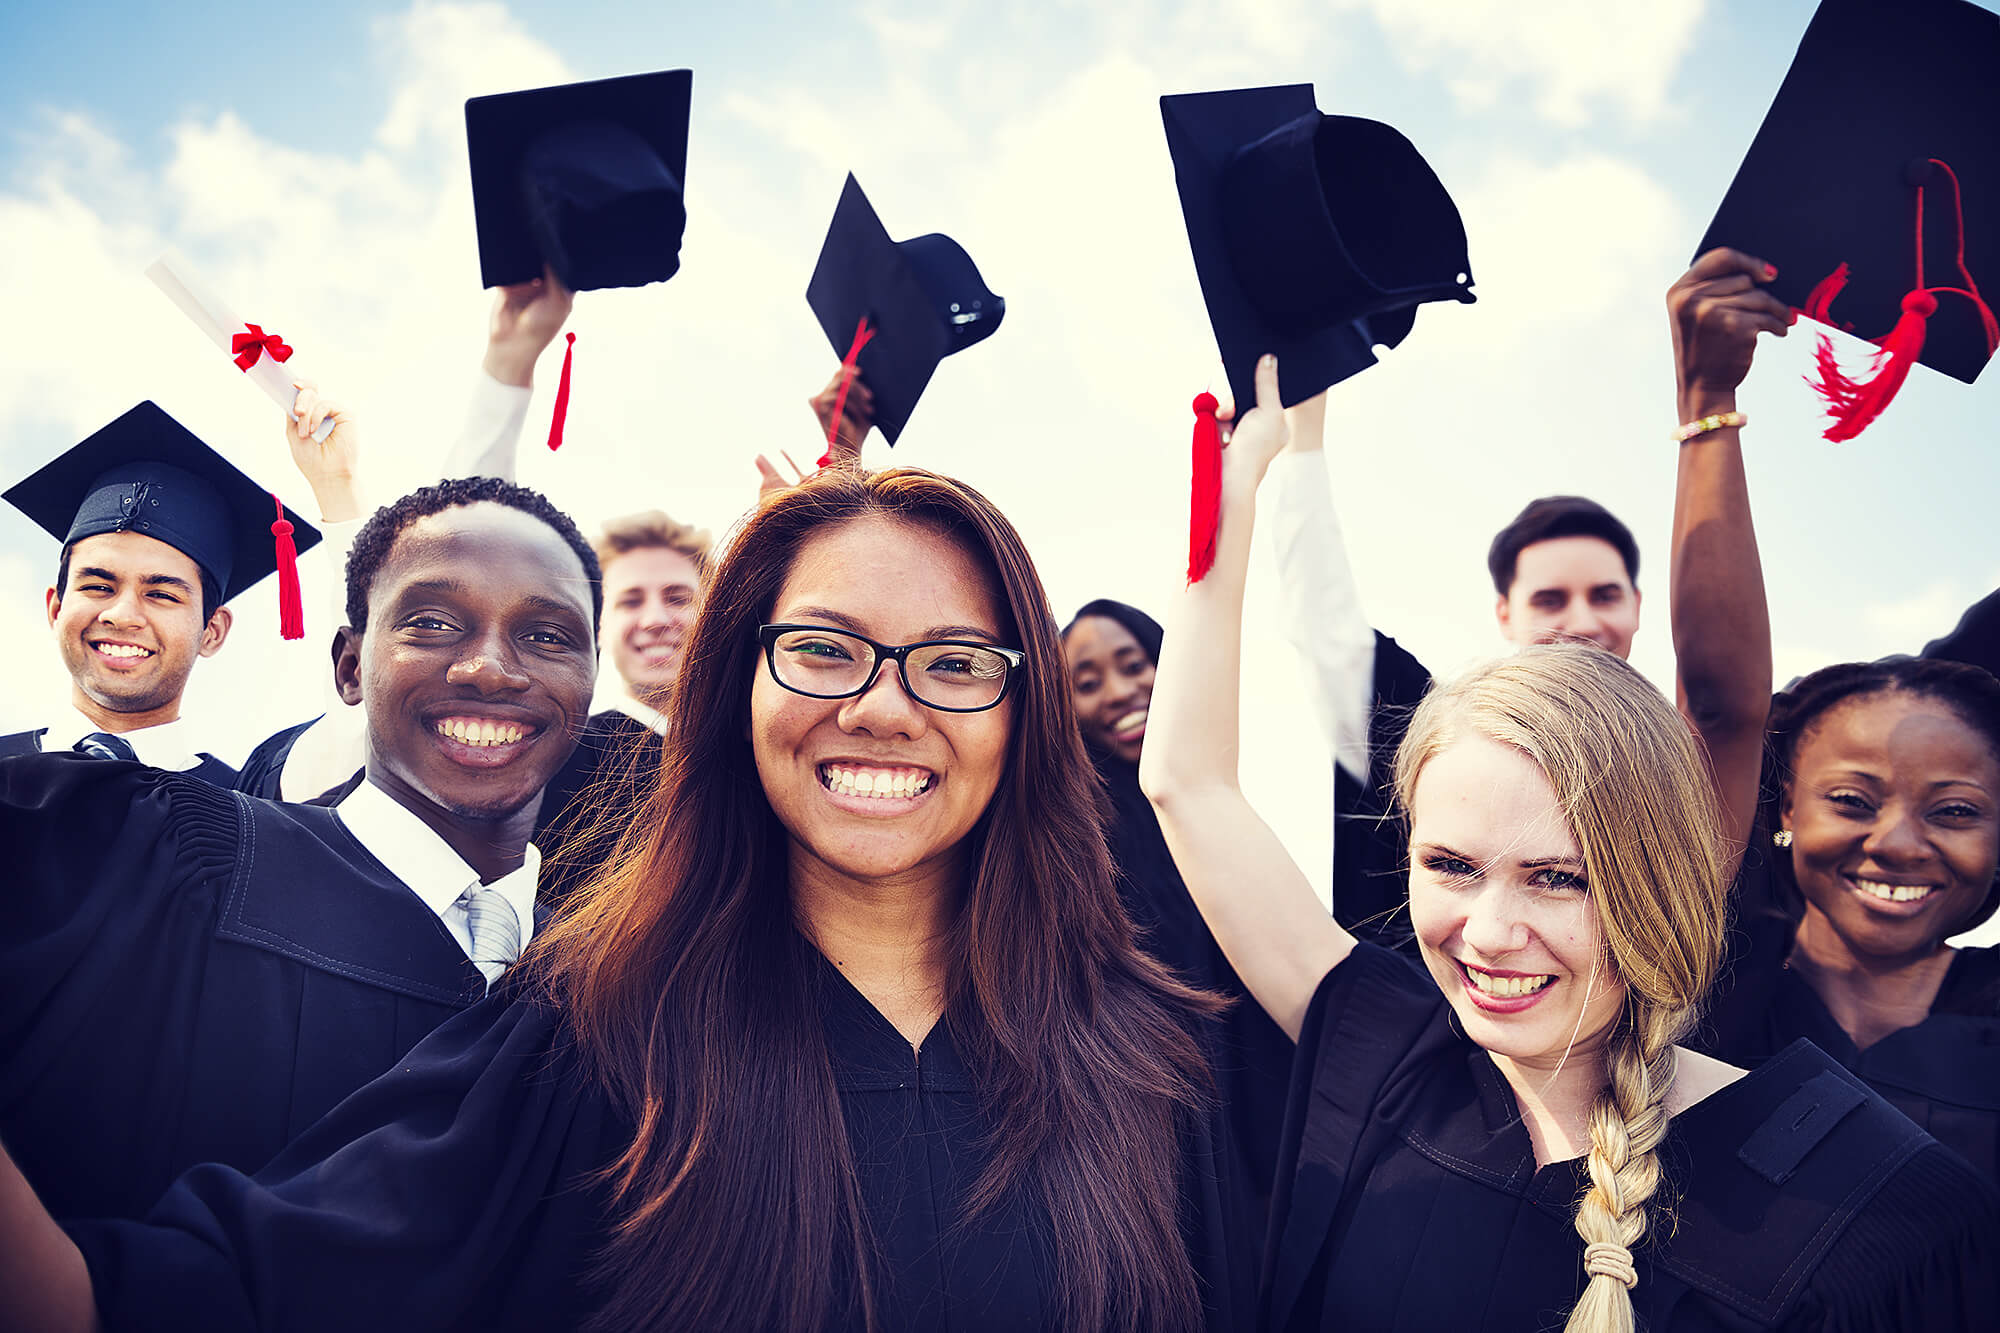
{"type": "Point", "coordinates": [638, 532]}
{"type": "Point", "coordinates": [1637, 793]}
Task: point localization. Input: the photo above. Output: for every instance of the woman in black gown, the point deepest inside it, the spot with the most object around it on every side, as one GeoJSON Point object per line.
{"type": "Point", "coordinates": [1510, 1134]}
{"type": "Point", "coordinates": [1113, 650]}
{"type": "Point", "coordinates": [1877, 841]}
{"type": "Point", "coordinates": [851, 1033]}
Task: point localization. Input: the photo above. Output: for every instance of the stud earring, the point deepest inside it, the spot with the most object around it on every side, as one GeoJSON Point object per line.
{"type": "Point", "coordinates": [1782, 838]}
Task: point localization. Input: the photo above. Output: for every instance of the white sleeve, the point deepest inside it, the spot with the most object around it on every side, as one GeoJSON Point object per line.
{"type": "Point", "coordinates": [328, 752]}
{"type": "Point", "coordinates": [1320, 606]}
{"type": "Point", "coordinates": [487, 443]}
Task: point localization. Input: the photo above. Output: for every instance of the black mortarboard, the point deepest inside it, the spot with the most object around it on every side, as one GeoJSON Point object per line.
{"type": "Point", "coordinates": [1828, 191]}
{"type": "Point", "coordinates": [147, 473]}
{"type": "Point", "coordinates": [1315, 237]}
{"type": "Point", "coordinates": [585, 176]}
{"type": "Point", "coordinates": [923, 300]}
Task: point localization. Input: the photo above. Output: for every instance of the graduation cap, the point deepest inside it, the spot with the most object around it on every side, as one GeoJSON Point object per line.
{"type": "Point", "coordinates": [1315, 237]}
{"type": "Point", "coordinates": [586, 177]}
{"type": "Point", "coordinates": [1874, 187]}
{"type": "Point", "coordinates": [147, 473]}
{"type": "Point", "coordinates": [895, 308]}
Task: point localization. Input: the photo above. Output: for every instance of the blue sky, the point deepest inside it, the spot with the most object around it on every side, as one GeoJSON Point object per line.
{"type": "Point", "coordinates": [314, 169]}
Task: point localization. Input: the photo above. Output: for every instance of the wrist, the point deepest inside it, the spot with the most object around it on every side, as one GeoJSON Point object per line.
{"type": "Point", "coordinates": [1701, 400]}
{"type": "Point", "coordinates": [510, 368]}
{"type": "Point", "coordinates": [338, 498]}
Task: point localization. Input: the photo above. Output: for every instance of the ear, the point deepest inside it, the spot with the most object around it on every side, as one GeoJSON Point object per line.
{"type": "Point", "coordinates": [215, 631]}
{"type": "Point", "coordinates": [347, 664]}
{"type": "Point", "coordinates": [1785, 807]}
{"type": "Point", "coordinates": [1502, 613]}
{"type": "Point", "coordinates": [54, 599]}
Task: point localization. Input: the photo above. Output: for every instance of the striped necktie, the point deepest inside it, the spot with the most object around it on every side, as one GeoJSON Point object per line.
{"type": "Point", "coordinates": [104, 745]}
{"type": "Point", "coordinates": [495, 929]}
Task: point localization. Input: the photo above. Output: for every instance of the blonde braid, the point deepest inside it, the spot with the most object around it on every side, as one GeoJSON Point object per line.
{"type": "Point", "coordinates": [1626, 1125]}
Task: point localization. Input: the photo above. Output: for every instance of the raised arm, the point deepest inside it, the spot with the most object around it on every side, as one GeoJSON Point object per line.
{"type": "Point", "coordinates": [526, 318]}
{"type": "Point", "coordinates": [1260, 907]}
{"type": "Point", "coordinates": [1318, 602]}
{"type": "Point", "coordinates": [1722, 626]}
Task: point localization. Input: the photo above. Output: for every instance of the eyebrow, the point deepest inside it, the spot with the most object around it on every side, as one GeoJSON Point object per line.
{"type": "Point", "coordinates": [934, 632]}
{"type": "Point", "coordinates": [150, 580]}
{"type": "Point", "coordinates": [1532, 863]}
{"type": "Point", "coordinates": [458, 588]}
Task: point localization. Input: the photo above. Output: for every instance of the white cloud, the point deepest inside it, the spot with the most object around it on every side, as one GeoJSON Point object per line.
{"type": "Point", "coordinates": [1570, 56]}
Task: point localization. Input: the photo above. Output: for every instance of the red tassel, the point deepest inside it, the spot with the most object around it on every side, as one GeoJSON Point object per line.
{"type": "Point", "coordinates": [291, 605]}
{"type": "Point", "coordinates": [1853, 402]}
{"type": "Point", "coordinates": [1205, 489]}
{"type": "Point", "coordinates": [1819, 301]}
{"type": "Point", "coordinates": [561, 412]}
{"type": "Point", "coordinates": [862, 333]}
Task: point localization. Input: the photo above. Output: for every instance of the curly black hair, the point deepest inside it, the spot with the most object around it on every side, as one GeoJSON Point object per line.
{"type": "Point", "coordinates": [379, 533]}
{"type": "Point", "coordinates": [1969, 691]}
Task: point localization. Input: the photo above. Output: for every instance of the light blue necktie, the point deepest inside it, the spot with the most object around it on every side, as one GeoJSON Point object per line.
{"type": "Point", "coordinates": [495, 930]}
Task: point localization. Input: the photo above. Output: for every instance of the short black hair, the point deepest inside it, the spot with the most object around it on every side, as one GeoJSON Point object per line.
{"type": "Point", "coordinates": [1137, 623]}
{"type": "Point", "coordinates": [211, 592]}
{"type": "Point", "coordinates": [1555, 516]}
{"type": "Point", "coordinates": [372, 544]}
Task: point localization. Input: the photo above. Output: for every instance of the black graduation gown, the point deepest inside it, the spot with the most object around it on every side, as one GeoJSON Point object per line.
{"type": "Point", "coordinates": [210, 770]}
{"type": "Point", "coordinates": [1371, 884]}
{"type": "Point", "coordinates": [1943, 1073]}
{"type": "Point", "coordinates": [1412, 1201]}
{"type": "Point", "coordinates": [189, 975]}
{"type": "Point", "coordinates": [455, 1193]}
{"type": "Point", "coordinates": [615, 765]}
{"type": "Point", "coordinates": [1251, 1055]}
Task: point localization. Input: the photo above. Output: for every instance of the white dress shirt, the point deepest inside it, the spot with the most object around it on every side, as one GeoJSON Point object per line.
{"type": "Point", "coordinates": [641, 712]}
{"type": "Point", "coordinates": [415, 853]}
{"type": "Point", "coordinates": [164, 746]}
{"type": "Point", "coordinates": [1320, 606]}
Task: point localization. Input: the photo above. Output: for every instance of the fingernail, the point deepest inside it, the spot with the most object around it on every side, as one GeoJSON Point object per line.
{"type": "Point", "coordinates": [1770, 271]}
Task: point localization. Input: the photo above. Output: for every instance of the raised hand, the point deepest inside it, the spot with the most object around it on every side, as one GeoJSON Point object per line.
{"type": "Point", "coordinates": [526, 318]}
{"type": "Point", "coordinates": [1253, 442]}
{"type": "Point", "coordinates": [857, 417]}
{"type": "Point", "coordinates": [329, 466]}
{"type": "Point", "coordinates": [1717, 309]}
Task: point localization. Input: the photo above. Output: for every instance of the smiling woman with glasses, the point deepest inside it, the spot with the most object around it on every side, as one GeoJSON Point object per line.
{"type": "Point", "coordinates": [851, 1033]}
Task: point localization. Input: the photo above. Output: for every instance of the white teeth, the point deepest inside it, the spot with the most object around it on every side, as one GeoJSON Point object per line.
{"type": "Point", "coordinates": [1130, 723]}
{"type": "Point", "coordinates": [121, 650]}
{"type": "Point", "coordinates": [878, 783]}
{"type": "Point", "coordinates": [1505, 987]}
{"type": "Point", "coordinates": [1893, 893]}
{"type": "Point", "coordinates": [473, 731]}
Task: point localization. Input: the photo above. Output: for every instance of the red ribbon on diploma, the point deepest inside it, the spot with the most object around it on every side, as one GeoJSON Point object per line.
{"type": "Point", "coordinates": [247, 347]}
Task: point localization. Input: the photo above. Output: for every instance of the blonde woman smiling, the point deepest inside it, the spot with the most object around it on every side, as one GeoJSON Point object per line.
{"type": "Point", "coordinates": [1511, 1136]}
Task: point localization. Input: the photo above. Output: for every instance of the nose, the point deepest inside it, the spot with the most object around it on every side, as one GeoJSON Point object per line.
{"type": "Point", "coordinates": [1580, 622]}
{"type": "Point", "coordinates": [1492, 928]}
{"type": "Point", "coordinates": [122, 609]}
{"type": "Point", "coordinates": [1119, 689]}
{"type": "Point", "coordinates": [655, 614]}
{"type": "Point", "coordinates": [1897, 837]}
{"type": "Point", "coordinates": [488, 666]}
{"type": "Point", "coordinates": [885, 708]}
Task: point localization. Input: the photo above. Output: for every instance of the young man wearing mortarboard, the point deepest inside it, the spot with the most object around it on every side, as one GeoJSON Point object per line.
{"type": "Point", "coordinates": [158, 533]}
{"type": "Point", "coordinates": [192, 975]}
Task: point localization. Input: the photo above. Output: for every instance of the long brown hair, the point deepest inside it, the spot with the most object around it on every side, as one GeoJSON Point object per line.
{"type": "Point", "coordinates": [693, 997]}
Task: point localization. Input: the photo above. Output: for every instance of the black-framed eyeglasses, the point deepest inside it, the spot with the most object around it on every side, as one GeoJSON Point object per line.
{"type": "Point", "coordinates": [950, 675]}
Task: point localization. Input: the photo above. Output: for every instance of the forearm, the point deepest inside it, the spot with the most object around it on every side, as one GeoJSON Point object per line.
{"type": "Point", "coordinates": [42, 1272]}
{"type": "Point", "coordinates": [1321, 607]}
{"type": "Point", "coordinates": [1261, 910]}
{"type": "Point", "coordinates": [1721, 623]}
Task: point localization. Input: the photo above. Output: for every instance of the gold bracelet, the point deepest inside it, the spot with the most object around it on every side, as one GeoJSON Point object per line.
{"type": "Point", "coordinates": [1688, 432]}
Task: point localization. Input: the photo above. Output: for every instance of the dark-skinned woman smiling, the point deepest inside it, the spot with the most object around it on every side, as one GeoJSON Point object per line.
{"type": "Point", "coordinates": [851, 1033]}
{"type": "Point", "coordinates": [1113, 651]}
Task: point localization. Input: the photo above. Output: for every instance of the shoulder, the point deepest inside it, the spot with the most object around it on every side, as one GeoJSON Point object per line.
{"type": "Point", "coordinates": [1792, 1155]}
{"type": "Point", "coordinates": [83, 801]}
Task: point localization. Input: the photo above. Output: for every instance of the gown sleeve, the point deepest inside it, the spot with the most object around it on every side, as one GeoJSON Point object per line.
{"type": "Point", "coordinates": [453, 1192]}
{"type": "Point", "coordinates": [98, 853]}
{"type": "Point", "coordinates": [1923, 1254]}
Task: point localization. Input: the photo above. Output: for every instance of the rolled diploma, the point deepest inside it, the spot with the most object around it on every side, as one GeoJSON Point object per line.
{"type": "Point", "coordinates": [219, 323]}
